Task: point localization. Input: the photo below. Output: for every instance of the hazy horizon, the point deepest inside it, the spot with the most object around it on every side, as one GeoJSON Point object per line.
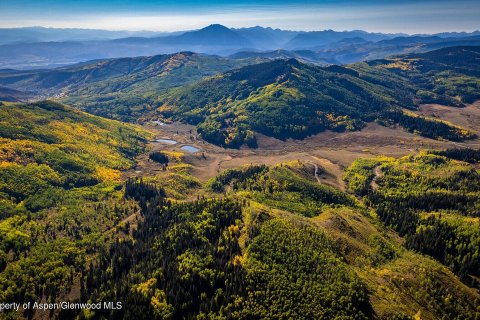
{"type": "Point", "coordinates": [410, 17]}
{"type": "Point", "coordinates": [244, 27]}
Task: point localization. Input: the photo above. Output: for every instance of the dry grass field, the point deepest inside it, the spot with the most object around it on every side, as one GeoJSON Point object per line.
{"type": "Point", "coordinates": [331, 151]}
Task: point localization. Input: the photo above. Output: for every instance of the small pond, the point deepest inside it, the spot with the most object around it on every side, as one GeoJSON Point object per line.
{"type": "Point", "coordinates": [166, 141]}
{"type": "Point", "coordinates": [190, 149]}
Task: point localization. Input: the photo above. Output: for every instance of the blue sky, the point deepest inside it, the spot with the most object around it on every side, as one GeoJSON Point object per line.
{"type": "Point", "coordinates": [385, 16]}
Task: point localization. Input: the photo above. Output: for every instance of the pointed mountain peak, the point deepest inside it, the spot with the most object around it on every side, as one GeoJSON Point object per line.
{"type": "Point", "coordinates": [214, 34]}
{"type": "Point", "coordinates": [216, 27]}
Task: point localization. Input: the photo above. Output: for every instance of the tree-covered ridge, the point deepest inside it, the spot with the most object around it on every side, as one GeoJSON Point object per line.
{"type": "Point", "coordinates": [59, 194]}
{"type": "Point", "coordinates": [430, 199]}
{"type": "Point", "coordinates": [289, 186]}
{"type": "Point", "coordinates": [218, 259]}
{"type": "Point", "coordinates": [289, 99]}
{"type": "Point", "coordinates": [240, 257]}
{"type": "Point", "coordinates": [465, 154]}
{"type": "Point", "coordinates": [448, 76]}
{"type": "Point", "coordinates": [282, 98]}
{"type": "Point", "coordinates": [426, 126]}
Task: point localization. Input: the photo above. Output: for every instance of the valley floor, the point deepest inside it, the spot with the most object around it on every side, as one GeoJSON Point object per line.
{"type": "Point", "coordinates": [333, 151]}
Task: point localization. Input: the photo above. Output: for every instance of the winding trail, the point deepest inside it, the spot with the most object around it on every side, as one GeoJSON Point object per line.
{"type": "Point", "coordinates": [377, 174]}
{"type": "Point", "coordinates": [316, 173]}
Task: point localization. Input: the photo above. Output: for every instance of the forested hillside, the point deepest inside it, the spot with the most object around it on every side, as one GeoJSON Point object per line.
{"type": "Point", "coordinates": [431, 200]}
{"type": "Point", "coordinates": [60, 176]}
{"type": "Point", "coordinates": [155, 217]}
{"type": "Point", "coordinates": [276, 245]}
{"type": "Point", "coordinates": [447, 76]}
{"type": "Point", "coordinates": [122, 88]}
{"type": "Point", "coordinates": [289, 99]}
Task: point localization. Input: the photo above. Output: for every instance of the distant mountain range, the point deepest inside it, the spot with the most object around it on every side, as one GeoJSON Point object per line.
{"type": "Point", "coordinates": [12, 95]}
{"type": "Point", "coordinates": [42, 34]}
{"type": "Point", "coordinates": [36, 47]}
{"type": "Point", "coordinates": [350, 50]}
{"type": "Point", "coordinates": [314, 39]}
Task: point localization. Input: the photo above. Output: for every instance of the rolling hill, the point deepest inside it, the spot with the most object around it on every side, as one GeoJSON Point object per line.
{"type": "Point", "coordinates": [121, 88]}
{"type": "Point", "coordinates": [279, 244]}
{"type": "Point", "coordinates": [60, 176]}
{"type": "Point", "coordinates": [60, 146]}
{"type": "Point", "coordinates": [289, 99]}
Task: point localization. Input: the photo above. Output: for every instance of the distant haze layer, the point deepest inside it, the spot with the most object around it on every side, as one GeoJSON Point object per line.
{"type": "Point", "coordinates": [372, 15]}
{"type": "Point", "coordinates": [37, 47]}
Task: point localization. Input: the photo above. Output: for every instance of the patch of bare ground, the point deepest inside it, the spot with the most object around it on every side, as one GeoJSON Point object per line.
{"type": "Point", "coordinates": [373, 136]}
{"type": "Point", "coordinates": [467, 117]}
